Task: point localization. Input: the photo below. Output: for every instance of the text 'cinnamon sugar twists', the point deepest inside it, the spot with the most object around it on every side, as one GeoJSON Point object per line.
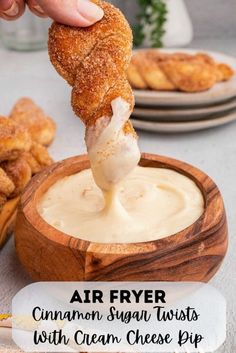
{"type": "Point", "coordinates": [94, 61]}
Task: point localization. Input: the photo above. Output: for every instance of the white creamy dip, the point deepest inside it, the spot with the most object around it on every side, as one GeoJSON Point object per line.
{"type": "Point", "coordinates": [150, 203]}
{"type": "Point", "coordinates": [113, 154]}
{"type": "Point", "coordinates": [116, 201]}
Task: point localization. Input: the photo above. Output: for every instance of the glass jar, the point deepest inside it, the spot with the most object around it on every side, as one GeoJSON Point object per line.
{"type": "Point", "coordinates": [29, 32]}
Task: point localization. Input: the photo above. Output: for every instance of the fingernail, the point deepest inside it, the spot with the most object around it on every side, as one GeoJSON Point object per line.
{"type": "Point", "coordinates": [13, 10]}
{"type": "Point", "coordinates": [38, 9]}
{"type": "Point", "coordinates": [90, 11]}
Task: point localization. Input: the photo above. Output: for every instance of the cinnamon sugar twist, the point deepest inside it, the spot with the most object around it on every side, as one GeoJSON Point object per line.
{"type": "Point", "coordinates": [94, 61]}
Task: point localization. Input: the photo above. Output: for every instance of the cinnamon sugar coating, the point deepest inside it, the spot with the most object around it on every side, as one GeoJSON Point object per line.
{"type": "Point", "coordinates": [94, 61]}
{"type": "Point", "coordinates": [6, 187]}
{"type": "Point", "coordinates": [152, 69]}
{"type": "Point", "coordinates": [37, 158]}
{"type": "Point", "coordinates": [19, 172]}
{"type": "Point", "coordinates": [14, 139]}
{"type": "Point", "coordinates": [40, 127]}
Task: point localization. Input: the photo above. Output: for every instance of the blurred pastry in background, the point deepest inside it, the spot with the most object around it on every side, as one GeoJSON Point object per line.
{"type": "Point", "coordinates": [23, 137]}
{"type": "Point", "coordinates": [145, 73]}
{"type": "Point", "coordinates": [7, 219]}
{"type": "Point", "coordinates": [14, 139]}
{"type": "Point", "coordinates": [189, 76]}
{"type": "Point", "coordinates": [224, 72]}
{"type": "Point", "coordinates": [155, 70]}
{"type": "Point", "coordinates": [40, 127]}
{"type": "Point", "coordinates": [7, 187]}
{"type": "Point", "coordinates": [19, 172]}
{"type": "Point", "coordinates": [37, 158]}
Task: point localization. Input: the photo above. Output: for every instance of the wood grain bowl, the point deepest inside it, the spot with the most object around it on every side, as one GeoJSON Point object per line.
{"type": "Point", "coordinates": [194, 254]}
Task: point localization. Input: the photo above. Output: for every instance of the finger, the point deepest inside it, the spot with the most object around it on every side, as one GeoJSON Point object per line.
{"type": "Point", "coordinates": [11, 9]}
{"type": "Point", "coordinates": [79, 13]}
{"type": "Point", "coordinates": [36, 8]}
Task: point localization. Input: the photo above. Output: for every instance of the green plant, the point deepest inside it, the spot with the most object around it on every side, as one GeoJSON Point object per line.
{"type": "Point", "coordinates": [153, 15]}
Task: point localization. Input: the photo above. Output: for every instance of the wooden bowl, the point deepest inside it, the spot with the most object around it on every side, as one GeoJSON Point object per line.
{"type": "Point", "coordinates": [193, 254]}
{"type": "Point", "coordinates": [7, 219]}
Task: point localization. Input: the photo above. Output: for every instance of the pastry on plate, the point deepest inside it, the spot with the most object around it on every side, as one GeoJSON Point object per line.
{"type": "Point", "coordinates": [189, 76]}
{"type": "Point", "coordinates": [145, 72]}
{"type": "Point", "coordinates": [225, 72]}
{"type": "Point", "coordinates": [155, 70]}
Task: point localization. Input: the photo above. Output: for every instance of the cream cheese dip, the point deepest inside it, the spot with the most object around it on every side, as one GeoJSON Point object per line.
{"type": "Point", "coordinates": [151, 204]}
{"type": "Point", "coordinates": [117, 201]}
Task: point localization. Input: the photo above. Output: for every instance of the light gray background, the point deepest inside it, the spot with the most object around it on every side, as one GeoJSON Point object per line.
{"type": "Point", "coordinates": [214, 150]}
{"type": "Point", "coordinates": [211, 18]}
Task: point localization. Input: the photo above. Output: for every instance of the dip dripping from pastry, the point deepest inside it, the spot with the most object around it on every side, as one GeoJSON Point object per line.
{"type": "Point", "coordinates": [94, 61]}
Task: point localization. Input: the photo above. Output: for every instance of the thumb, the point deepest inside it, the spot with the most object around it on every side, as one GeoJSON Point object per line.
{"type": "Point", "coordinates": [79, 13]}
{"type": "Point", "coordinates": [11, 9]}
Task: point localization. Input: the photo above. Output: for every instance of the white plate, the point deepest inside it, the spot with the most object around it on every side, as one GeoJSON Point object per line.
{"type": "Point", "coordinates": [220, 92]}
{"type": "Point", "coordinates": [188, 114]}
{"type": "Point", "coordinates": [182, 126]}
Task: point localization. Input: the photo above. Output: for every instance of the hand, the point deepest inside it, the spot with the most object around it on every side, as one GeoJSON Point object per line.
{"type": "Point", "coordinates": [79, 13]}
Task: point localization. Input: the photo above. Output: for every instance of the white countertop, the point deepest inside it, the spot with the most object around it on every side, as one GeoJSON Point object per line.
{"type": "Point", "coordinates": [214, 151]}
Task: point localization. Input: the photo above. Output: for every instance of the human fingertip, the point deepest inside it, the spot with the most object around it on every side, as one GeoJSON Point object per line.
{"type": "Point", "coordinates": [89, 11]}
{"type": "Point", "coordinates": [13, 10]}
{"type": "Point", "coordinates": [37, 10]}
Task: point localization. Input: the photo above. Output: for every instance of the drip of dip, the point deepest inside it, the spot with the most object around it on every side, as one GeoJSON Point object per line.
{"type": "Point", "coordinates": [150, 204]}
{"type": "Point", "coordinates": [113, 154]}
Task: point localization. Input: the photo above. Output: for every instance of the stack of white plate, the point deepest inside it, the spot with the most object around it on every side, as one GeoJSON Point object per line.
{"type": "Point", "coordinates": [180, 112]}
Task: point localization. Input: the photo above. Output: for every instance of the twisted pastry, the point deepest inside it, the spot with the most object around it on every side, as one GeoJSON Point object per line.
{"type": "Point", "coordinates": [19, 173]}
{"type": "Point", "coordinates": [7, 219]}
{"type": "Point", "coordinates": [14, 139]}
{"type": "Point", "coordinates": [21, 156]}
{"type": "Point", "coordinates": [151, 69]}
{"type": "Point", "coordinates": [37, 158]}
{"type": "Point", "coordinates": [7, 206]}
{"type": "Point", "coordinates": [29, 115]}
{"type": "Point", "coordinates": [94, 61]}
{"type": "Point", "coordinates": [6, 187]}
